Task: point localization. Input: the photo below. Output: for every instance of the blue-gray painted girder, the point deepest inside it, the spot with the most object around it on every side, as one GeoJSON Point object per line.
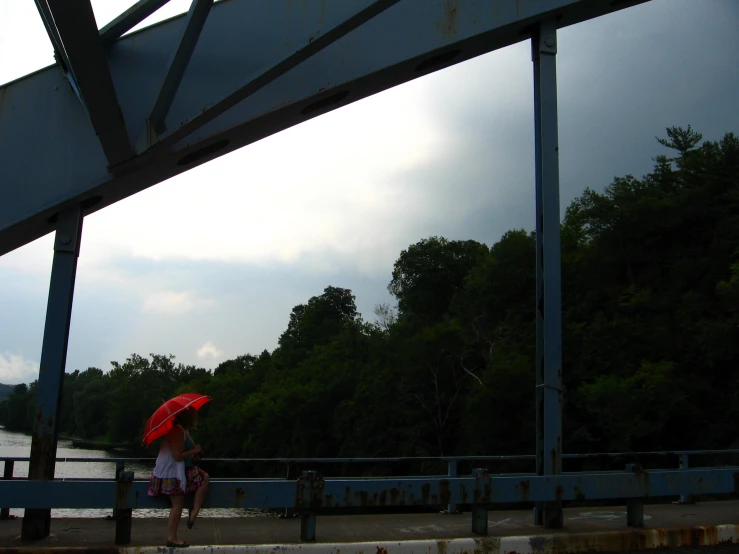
{"type": "Point", "coordinates": [52, 158]}
{"type": "Point", "coordinates": [74, 34]}
{"type": "Point", "coordinates": [312, 45]}
{"type": "Point", "coordinates": [194, 22]}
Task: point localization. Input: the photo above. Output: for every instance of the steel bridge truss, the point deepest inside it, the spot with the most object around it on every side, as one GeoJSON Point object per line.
{"type": "Point", "coordinates": [117, 114]}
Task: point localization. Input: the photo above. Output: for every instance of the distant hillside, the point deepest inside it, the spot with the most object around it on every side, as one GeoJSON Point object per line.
{"type": "Point", "coordinates": [5, 390]}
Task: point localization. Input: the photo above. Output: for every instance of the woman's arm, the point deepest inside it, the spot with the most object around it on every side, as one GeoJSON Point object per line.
{"type": "Point", "coordinates": [176, 438]}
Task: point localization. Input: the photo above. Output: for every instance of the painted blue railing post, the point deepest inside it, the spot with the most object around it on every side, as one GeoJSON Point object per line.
{"type": "Point", "coordinates": [685, 464]}
{"type": "Point", "coordinates": [635, 507]}
{"type": "Point", "coordinates": [7, 475]}
{"type": "Point", "coordinates": [309, 483]}
{"type": "Point", "coordinates": [481, 497]}
{"type": "Point", "coordinates": [119, 467]}
{"type": "Point", "coordinates": [452, 472]}
{"type": "Point", "coordinates": [124, 481]}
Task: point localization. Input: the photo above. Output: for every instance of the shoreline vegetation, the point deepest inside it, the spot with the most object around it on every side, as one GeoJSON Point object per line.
{"type": "Point", "coordinates": [650, 341]}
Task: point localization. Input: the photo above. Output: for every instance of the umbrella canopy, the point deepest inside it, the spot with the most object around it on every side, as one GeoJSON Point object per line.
{"type": "Point", "coordinates": [162, 420]}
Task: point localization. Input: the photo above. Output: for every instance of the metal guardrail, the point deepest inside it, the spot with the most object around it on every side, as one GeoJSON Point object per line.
{"type": "Point", "coordinates": [311, 491]}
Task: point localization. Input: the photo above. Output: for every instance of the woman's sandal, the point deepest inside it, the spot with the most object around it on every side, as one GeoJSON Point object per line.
{"type": "Point", "coordinates": [171, 544]}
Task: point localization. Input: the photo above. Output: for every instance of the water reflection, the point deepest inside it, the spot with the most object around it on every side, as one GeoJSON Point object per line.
{"type": "Point", "coordinates": [19, 445]}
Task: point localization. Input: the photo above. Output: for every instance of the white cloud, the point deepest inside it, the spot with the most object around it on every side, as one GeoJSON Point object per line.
{"type": "Point", "coordinates": [209, 352]}
{"type": "Point", "coordinates": [169, 302]}
{"type": "Point", "coordinates": [323, 187]}
{"type": "Point", "coordinates": [15, 369]}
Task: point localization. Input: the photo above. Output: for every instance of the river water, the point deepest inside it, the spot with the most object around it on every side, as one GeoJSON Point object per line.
{"type": "Point", "coordinates": [18, 445]}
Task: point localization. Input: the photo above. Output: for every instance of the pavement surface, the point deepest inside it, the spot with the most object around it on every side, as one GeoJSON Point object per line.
{"type": "Point", "coordinates": [88, 532]}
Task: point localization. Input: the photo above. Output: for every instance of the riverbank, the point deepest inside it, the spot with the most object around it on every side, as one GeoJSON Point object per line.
{"type": "Point", "coordinates": [88, 444]}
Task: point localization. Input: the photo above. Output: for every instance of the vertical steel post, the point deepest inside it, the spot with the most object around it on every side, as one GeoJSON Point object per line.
{"type": "Point", "coordinates": [7, 474]}
{"type": "Point", "coordinates": [451, 472]}
{"type": "Point", "coordinates": [307, 483]}
{"type": "Point", "coordinates": [635, 506]}
{"type": "Point", "coordinates": [548, 267]}
{"type": "Point", "coordinates": [124, 481]}
{"type": "Point", "coordinates": [481, 495]}
{"type": "Point", "coordinates": [685, 464]}
{"type": "Point", "coordinates": [635, 513]}
{"type": "Point", "coordinates": [36, 522]}
{"type": "Point", "coordinates": [119, 468]}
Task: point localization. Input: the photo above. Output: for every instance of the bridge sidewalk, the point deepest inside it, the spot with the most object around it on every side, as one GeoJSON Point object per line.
{"type": "Point", "coordinates": [586, 529]}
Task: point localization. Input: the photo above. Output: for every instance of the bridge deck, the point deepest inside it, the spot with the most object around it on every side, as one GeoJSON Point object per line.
{"type": "Point", "coordinates": [89, 532]}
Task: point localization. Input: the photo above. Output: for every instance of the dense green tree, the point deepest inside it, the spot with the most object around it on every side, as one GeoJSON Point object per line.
{"type": "Point", "coordinates": [316, 324]}
{"type": "Point", "coordinates": [429, 273]}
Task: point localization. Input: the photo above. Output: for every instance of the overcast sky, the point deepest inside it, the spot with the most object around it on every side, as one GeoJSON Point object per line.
{"type": "Point", "coordinates": [208, 265]}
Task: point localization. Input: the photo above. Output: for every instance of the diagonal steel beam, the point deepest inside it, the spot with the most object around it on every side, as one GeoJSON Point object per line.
{"type": "Point", "coordinates": [196, 17]}
{"type": "Point", "coordinates": [314, 46]}
{"type": "Point", "coordinates": [128, 20]}
{"type": "Point", "coordinates": [74, 34]}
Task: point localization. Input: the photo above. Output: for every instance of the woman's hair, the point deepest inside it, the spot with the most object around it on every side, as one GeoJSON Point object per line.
{"type": "Point", "coordinates": [186, 418]}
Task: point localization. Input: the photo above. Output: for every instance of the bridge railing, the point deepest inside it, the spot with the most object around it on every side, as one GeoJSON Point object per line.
{"type": "Point", "coordinates": [312, 490]}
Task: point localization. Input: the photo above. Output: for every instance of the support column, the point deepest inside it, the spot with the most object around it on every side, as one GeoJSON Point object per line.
{"type": "Point", "coordinates": [548, 268]}
{"type": "Point", "coordinates": [452, 472]}
{"type": "Point", "coordinates": [36, 522]}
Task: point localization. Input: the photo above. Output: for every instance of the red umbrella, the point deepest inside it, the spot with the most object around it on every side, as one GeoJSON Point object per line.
{"type": "Point", "coordinates": [162, 420]}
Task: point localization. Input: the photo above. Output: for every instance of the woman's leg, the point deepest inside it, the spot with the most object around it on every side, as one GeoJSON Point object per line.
{"type": "Point", "coordinates": [200, 495]}
{"type": "Point", "coordinates": [178, 501]}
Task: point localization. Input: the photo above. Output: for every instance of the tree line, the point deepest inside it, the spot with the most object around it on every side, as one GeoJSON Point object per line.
{"type": "Point", "coordinates": [650, 341]}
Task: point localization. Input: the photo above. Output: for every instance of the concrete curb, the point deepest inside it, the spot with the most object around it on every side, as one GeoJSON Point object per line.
{"type": "Point", "coordinates": [641, 539]}
{"type": "Point", "coordinates": [614, 541]}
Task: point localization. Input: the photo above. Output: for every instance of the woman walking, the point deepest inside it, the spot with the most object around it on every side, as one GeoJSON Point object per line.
{"type": "Point", "coordinates": [175, 474]}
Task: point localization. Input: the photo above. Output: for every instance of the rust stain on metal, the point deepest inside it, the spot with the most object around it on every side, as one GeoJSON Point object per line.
{"type": "Point", "coordinates": [555, 455]}
{"type": "Point", "coordinates": [711, 535]}
{"type": "Point", "coordinates": [425, 490]}
{"type": "Point", "coordinates": [441, 545]}
{"type": "Point", "coordinates": [316, 490]}
{"type": "Point", "coordinates": [381, 550]}
{"type": "Point", "coordinates": [524, 488]}
{"type": "Point", "coordinates": [122, 489]}
{"type": "Point", "coordinates": [579, 495]}
{"type": "Point", "coordinates": [634, 540]}
{"type": "Point", "coordinates": [383, 498]}
{"type": "Point", "coordinates": [486, 545]}
{"type": "Point", "coordinates": [559, 493]}
{"type": "Point", "coordinates": [239, 497]}
{"type": "Point", "coordinates": [642, 479]}
{"type": "Point", "coordinates": [463, 493]}
{"type": "Point", "coordinates": [394, 496]}
{"type": "Point", "coordinates": [445, 493]}
{"type": "Point", "coordinates": [363, 497]}
{"type": "Point", "coordinates": [482, 495]}
{"type": "Point", "coordinates": [448, 24]}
